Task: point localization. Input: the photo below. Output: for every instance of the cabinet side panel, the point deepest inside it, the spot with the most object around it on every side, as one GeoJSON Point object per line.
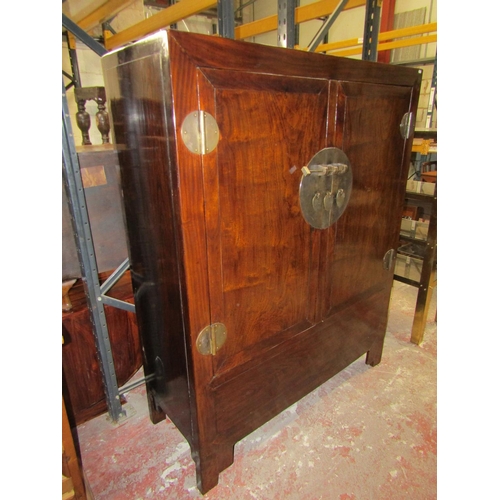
{"type": "Point", "coordinates": [138, 92]}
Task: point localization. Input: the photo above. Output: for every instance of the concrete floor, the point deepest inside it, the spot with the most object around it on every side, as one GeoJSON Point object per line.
{"type": "Point", "coordinates": [366, 434]}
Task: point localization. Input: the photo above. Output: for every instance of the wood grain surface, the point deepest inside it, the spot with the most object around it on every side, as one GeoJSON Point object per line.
{"type": "Point", "coordinates": [220, 237]}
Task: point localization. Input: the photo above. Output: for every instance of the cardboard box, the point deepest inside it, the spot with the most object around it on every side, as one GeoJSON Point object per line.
{"type": "Point", "coordinates": [428, 188]}
{"type": "Point", "coordinates": [420, 187]}
{"type": "Point", "coordinates": [421, 230]}
{"type": "Point", "coordinates": [408, 227]}
{"type": "Point", "coordinates": [413, 186]}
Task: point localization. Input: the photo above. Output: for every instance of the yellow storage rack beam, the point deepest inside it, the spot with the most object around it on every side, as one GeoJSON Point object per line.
{"type": "Point", "coordinates": [302, 14]}
{"type": "Point", "coordinates": [387, 37]}
{"type": "Point", "coordinates": [163, 19]}
{"type": "Point", "coordinates": [187, 8]}
{"type": "Point", "coordinates": [109, 9]}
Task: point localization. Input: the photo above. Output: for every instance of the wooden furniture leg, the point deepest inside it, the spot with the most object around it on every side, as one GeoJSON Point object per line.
{"type": "Point", "coordinates": [422, 309]}
{"type": "Point", "coordinates": [73, 483]}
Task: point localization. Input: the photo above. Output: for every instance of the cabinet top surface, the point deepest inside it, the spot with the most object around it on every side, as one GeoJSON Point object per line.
{"type": "Point", "coordinates": [215, 52]}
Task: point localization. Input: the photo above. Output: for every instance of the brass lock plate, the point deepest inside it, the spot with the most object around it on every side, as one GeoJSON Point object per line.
{"type": "Point", "coordinates": [325, 187]}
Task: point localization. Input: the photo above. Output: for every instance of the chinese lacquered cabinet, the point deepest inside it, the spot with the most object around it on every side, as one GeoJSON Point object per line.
{"type": "Point", "coordinates": [263, 191]}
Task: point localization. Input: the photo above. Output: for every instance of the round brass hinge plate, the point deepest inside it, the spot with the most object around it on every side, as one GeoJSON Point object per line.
{"type": "Point", "coordinates": [211, 339]}
{"type": "Point", "coordinates": [200, 132]}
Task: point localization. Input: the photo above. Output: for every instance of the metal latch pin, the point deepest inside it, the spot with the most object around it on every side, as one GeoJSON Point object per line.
{"type": "Point", "coordinates": [325, 169]}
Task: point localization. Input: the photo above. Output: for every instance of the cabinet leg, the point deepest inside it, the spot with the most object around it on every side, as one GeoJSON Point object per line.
{"type": "Point", "coordinates": [207, 473]}
{"type": "Point", "coordinates": [374, 355]}
{"type": "Point", "coordinates": [209, 466]}
{"type": "Point", "coordinates": [225, 456]}
{"type": "Point", "coordinates": [156, 414]}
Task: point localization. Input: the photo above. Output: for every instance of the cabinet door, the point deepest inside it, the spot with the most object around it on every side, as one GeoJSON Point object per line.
{"type": "Point", "coordinates": [370, 136]}
{"type": "Point", "coordinates": [262, 255]}
{"type": "Point", "coordinates": [271, 275]}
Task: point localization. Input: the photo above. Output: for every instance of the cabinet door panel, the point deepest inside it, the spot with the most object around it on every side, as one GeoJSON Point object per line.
{"type": "Point", "coordinates": [369, 227]}
{"type": "Point", "coordinates": [263, 261]}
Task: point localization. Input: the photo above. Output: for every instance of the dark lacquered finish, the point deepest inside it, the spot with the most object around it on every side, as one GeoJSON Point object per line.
{"type": "Point", "coordinates": [220, 238]}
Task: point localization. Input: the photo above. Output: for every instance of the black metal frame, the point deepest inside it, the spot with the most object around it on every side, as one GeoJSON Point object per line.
{"type": "Point", "coordinates": [432, 96]}
{"type": "Point", "coordinates": [98, 48]}
{"type": "Point", "coordinates": [372, 27]}
{"type": "Point", "coordinates": [318, 38]}
{"type": "Point", "coordinates": [225, 16]}
{"type": "Point", "coordinates": [75, 70]}
{"type": "Point", "coordinates": [286, 23]}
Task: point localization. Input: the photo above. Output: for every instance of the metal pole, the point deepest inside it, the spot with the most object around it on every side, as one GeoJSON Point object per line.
{"type": "Point", "coordinates": [225, 14]}
{"type": "Point", "coordinates": [246, 4]}
{"type": "Point", "coordinates": [372, 27]}
{"type": "Point", "coordinates": [286, 23]}
{"type": "Point", "coordinates": [110, 282]}
{"type": "Point", "coordinates": [73, 60]}
{"type": "Point", "coordinates": [318, 38]}
{"type": "Point", "coordinates": [432, 96]}
{"type": "Point", "coordinates": [88, 263]}
{"type": "Point", "coordinates": [83, 36]}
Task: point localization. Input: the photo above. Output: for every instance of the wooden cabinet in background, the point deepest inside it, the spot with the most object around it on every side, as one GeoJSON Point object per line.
{"type": "Point", "coordinates": [82, 379]}
{"type": "Point", "coordinates": [250, 291]}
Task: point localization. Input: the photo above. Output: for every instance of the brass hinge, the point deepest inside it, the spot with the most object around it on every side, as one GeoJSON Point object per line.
{"type": "Point", "coordinates": [211, 339]}
{"type": "Point", "coordinates": [388, 259]}
{"type": "Point", "coordinates": [407, 125]}
{"type": "Point", "coordinates": [200, 132]}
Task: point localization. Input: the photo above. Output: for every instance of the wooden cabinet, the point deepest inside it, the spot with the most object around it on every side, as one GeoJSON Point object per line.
{"type": "Point", "coordinates": [83, 386]}
{"type": "Point", "coordinates": [255, 279]}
